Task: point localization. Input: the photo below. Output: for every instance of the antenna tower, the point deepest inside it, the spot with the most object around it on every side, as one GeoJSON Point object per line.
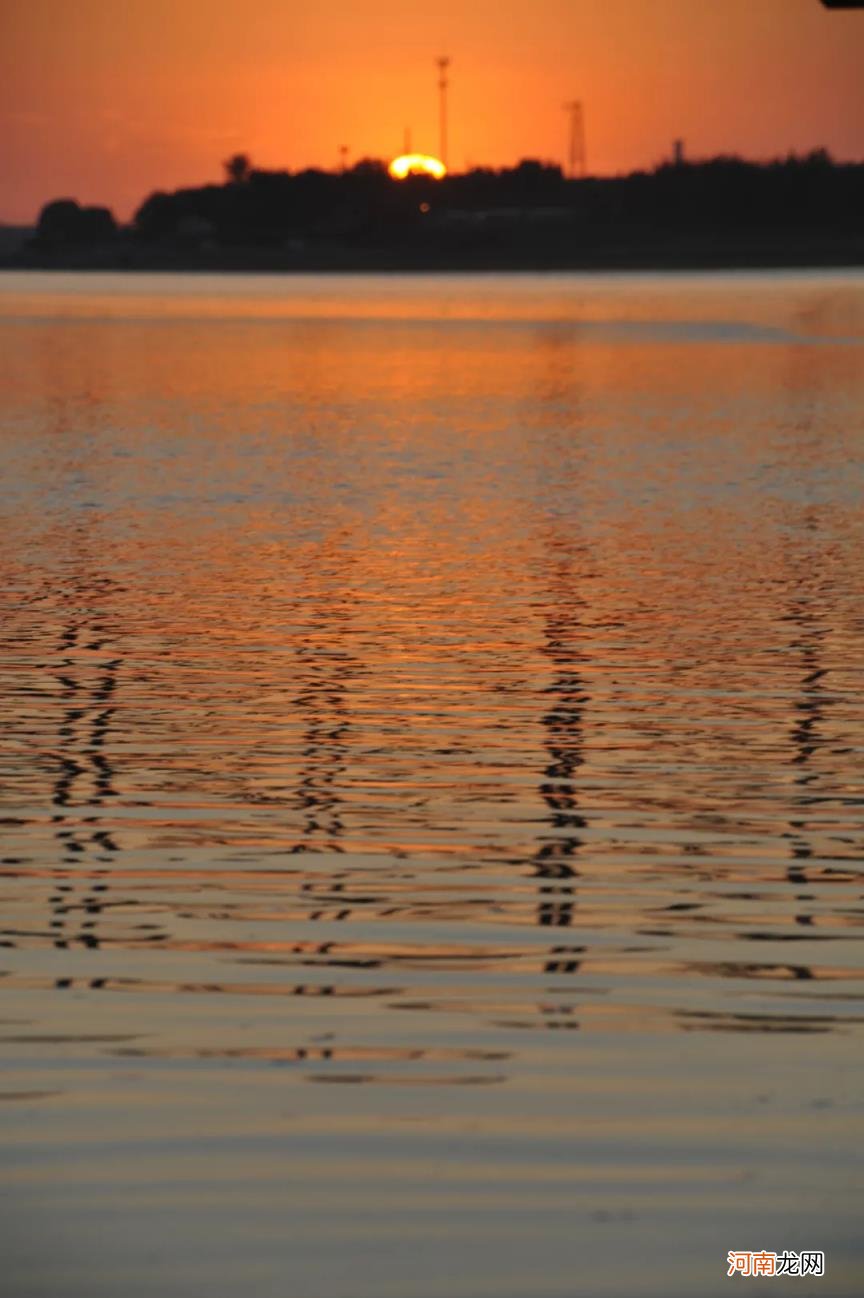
{"type": "Point", "coordinates": [576, 160]}
{"type": "Point", "coordinates": [443, 83]}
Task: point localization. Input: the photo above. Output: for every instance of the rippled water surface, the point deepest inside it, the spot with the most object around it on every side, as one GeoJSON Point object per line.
{"type": "Point", "coordinates": [431, 784]}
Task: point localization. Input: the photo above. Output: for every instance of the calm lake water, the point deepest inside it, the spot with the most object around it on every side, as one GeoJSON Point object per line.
{"type": "Point", "coordinates": [432, 794]}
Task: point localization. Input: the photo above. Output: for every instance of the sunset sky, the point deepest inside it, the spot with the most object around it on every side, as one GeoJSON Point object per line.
{"type": "Point", "coordinates": [107, 100]}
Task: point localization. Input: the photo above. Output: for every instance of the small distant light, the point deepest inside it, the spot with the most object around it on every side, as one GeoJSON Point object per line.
{"type": "Point", "coordinates": [417, 164]}
{"type": "Point", "coordinates": [424, 207]}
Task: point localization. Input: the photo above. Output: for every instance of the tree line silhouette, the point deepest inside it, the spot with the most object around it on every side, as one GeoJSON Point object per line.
{"type": "Point", "coordinates": [721, 208]}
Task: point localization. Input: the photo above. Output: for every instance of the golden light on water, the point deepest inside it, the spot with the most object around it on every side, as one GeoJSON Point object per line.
{"type": "Point", "coordinates": [417, 164]}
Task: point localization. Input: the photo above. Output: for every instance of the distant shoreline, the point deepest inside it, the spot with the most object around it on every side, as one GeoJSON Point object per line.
{"type": "Point", "coordinates": [720, 213]}
{"type": "Point", "coordinates": [781, 256]}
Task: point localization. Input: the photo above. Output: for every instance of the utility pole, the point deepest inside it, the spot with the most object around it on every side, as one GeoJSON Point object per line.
{"type": "Point", "coordinates": [443, 83]}
{"type": "Point", "coordinates": [576, 150]}
{"type": "Point", "coordinates": [343, 157]}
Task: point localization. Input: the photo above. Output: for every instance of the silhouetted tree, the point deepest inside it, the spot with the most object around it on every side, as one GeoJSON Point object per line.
{"type": "Point", "coordinates": [369, 167]}
{"type": "Point", "coordinates": [97, 224]}
{"type": "Point", "coordinates": [65, 221]}
{"type": "Point", "coordinates": [238, 169]}
{"type": "Point", "coordinates": [58, 220]}
{"type": "Point", "coordinates": [156, 217]}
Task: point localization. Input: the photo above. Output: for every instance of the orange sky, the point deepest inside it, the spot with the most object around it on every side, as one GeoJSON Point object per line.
{"type": "Point", "coordinates": [106, 100]}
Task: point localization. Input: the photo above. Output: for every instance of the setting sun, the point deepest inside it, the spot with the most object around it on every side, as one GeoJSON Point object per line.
{"type": "Point", "coordinates": [417, 164]}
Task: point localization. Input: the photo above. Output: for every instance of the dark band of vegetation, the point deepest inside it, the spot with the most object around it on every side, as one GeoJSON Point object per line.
{"type": "Point", "coordinates": [725, 211]}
